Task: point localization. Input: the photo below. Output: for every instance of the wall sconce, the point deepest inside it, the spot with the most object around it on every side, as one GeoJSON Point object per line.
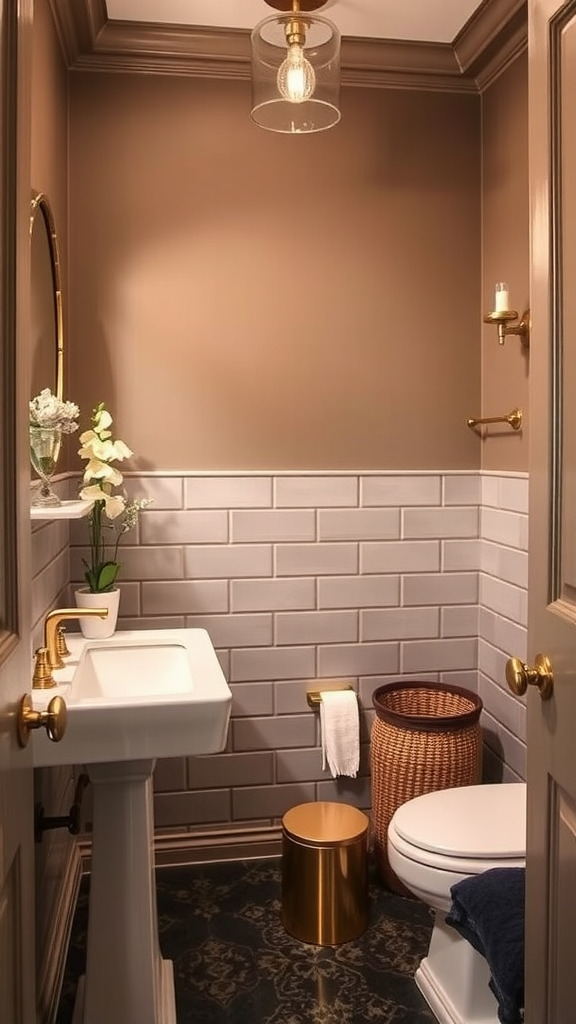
{"type": "Point", "coordinates": [504, 317]}
{"type": "Point", "coordinates": [295, 69]}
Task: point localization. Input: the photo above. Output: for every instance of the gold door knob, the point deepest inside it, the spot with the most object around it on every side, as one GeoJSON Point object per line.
{"type": "Point", "coordinates": [520, 676]}
{"type": "Point", "coordinates": [54, 719]}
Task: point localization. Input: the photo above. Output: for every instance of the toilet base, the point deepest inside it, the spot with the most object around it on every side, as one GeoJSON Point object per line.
{"type": "Point", "coordinates": [453, 978]}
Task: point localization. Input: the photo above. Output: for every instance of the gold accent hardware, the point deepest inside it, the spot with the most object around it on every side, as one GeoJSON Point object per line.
{"type": "Point", "coordinates": [54, 719]}
{"type": "Point", "coordinates": [504, 320]}
{"type": "Point", "coordinates": [295, 33]}
{"type": "Point", "coordinates": [520, 676]}
{"type": "Point", "coordinates": [53, 620]}
{"type": "Point", "coordinates": [513, 419]}
{"type": "Point", "coordinates": [314, 697]}
{"type": "Point", "coordinates": [61, 645]}
{"type": "Point", "coordinates": [42, 677]}
{"type": "Point", "coordinates": [43, 233]}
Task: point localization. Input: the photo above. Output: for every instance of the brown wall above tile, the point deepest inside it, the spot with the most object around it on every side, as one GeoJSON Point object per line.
{"type": "Point", "coordinates": [505, 257]}
{"type": "Point", "coordinates": [247, 300]}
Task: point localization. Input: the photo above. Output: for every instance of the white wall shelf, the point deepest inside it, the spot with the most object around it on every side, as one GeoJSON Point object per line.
{"type": "Point", "coordinates": [74, 509]}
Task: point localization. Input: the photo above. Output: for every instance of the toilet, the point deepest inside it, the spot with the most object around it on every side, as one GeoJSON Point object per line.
{"type": "Point", "coordinates": [436, 840]}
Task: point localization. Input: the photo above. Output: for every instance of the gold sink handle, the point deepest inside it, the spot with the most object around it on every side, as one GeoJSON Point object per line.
{"type": "Point", "coordinates": [54, 719]}
{"type": "Point", "coordinates": [42, 677]}
{"type": "Point", "coordinates": [520, 676]}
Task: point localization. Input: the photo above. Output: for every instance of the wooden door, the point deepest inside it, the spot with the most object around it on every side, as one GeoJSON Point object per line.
{"type": "Point", "coordinates": [551, 853]}
{"type": "Point", "coordinates": [17, 995]}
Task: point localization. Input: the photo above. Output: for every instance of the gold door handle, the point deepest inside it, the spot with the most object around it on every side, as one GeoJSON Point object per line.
{"type": "Point", "coordinates": [54, 719]}
{"type": "Point", "coordinates": [520, 676]}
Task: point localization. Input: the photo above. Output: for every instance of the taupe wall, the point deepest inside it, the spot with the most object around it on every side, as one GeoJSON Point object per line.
{"type": "Point", "coordinates": [505, 256]}
{"type": "Point", "coordinates": [49, 119]}
{"type": "Point", "coordinates": [244, 300]}
{"type": "Point", "coordinates": [53, 789]}
{"type": "Point", "coordinates": [49, 144]}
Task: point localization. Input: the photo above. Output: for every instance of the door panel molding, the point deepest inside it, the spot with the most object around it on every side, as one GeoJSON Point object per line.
{"type": "Point", "coordinates": [9, 618]}
{"type": "Point", "coordinates": [561, 911]}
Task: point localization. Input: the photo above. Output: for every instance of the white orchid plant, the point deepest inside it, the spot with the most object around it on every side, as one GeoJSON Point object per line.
{"type": "Point", "coordinates": [51, 413]}
{"type": "Point", "coordinates": [112, 513]}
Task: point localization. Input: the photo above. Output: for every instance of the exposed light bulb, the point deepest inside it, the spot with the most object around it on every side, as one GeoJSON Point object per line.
{"type": "Point", "coordinates": [296, 79]}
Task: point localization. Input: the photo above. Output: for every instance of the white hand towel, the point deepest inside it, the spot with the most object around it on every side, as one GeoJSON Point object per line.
{"type": "Point", "coordinates": [340, 726]}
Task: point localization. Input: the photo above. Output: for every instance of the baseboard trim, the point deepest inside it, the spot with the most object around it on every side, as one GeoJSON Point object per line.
{"type": "Point", "coordinates": [176, 849]}
{"type": "Point", "coordinates": [50, 972]}
{"type": "Point", "coordinates": [211, 847]}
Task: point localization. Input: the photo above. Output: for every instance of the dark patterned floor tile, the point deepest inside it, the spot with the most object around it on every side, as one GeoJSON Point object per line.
{"type": "Point", "coordinates": [234, 963]}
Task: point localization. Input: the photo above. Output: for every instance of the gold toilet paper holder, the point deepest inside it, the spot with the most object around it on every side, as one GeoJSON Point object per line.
{"type": "Point", "coordinates": [314, 697]}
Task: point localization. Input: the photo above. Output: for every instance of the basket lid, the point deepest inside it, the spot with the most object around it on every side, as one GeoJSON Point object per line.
{"type": "Point", "coordinates": [485, 821]}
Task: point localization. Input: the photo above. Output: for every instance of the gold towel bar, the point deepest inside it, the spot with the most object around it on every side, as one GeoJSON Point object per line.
{"type": "Point", "coordinates": [513, 419]}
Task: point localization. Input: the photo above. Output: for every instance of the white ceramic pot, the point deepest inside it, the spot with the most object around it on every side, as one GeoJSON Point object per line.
{"type": "Point", "coordinates": [94, 628]}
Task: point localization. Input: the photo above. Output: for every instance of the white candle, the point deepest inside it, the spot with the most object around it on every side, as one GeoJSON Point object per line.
{"type": "Point", "coordinates": [501, 298]}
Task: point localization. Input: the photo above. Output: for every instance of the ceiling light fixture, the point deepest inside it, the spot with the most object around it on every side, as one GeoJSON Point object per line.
{"type": "Point", "coordinates": [295, 69]}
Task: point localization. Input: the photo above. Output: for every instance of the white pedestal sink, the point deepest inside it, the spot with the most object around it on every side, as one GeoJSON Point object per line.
{"type": "Point", "coordinates": [131, 699]}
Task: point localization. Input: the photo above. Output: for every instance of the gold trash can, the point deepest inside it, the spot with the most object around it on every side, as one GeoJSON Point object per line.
{"type": "Point", "coordinates": [325, 872]}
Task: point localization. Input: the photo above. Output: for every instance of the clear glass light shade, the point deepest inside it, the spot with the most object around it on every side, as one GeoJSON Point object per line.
{"type": "Point", "coordinates": [296, 84]}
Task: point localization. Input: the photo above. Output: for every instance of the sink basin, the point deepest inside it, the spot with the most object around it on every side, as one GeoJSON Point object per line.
{"type": "Point", "coordinates": [131, 671]}
{"type": "Point", "coordinates": [139, 694]}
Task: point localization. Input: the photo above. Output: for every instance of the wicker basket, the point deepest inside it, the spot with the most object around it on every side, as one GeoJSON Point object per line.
{"type": "Point", "coordinates": [425, 736]}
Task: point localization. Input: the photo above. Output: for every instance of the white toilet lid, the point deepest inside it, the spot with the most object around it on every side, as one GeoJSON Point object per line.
{"type": "Point", "coordinates": [485, 821]}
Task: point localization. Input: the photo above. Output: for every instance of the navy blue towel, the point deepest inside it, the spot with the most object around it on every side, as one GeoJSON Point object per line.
{"type": "Point", "coordinates": [488, 910]}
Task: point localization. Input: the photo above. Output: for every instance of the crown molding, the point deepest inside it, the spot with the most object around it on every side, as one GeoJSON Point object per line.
{"type": "Point", "coordinates": [494, 36]}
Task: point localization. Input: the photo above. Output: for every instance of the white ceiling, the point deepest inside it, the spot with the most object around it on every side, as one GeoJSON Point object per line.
{"type": "Point", "coordinates": [436, 21]}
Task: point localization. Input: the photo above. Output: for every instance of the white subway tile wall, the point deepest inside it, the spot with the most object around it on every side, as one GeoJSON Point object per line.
{"type": "Point", "coordinates": [50, 562]}
{"type": "Point", "coordinates": [502, 620]}
{"type": "Point", "coordinates": [309, 578]}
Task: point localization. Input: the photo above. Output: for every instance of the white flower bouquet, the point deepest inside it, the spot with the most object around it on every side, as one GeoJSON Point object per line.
{"type": "Point", "coordinates": [51, 413]}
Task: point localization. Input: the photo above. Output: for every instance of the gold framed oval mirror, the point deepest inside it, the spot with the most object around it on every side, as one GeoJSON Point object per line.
{"type": "Point", "coordinates": [47, 334]}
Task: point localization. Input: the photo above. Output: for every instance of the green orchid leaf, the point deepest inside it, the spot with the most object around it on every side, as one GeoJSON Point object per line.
{"type": "Point", "coordinates": [107, 574]}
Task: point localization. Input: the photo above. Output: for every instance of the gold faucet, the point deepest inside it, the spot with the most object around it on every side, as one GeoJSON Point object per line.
{"type": "Point", "coordinates": [48, 657]}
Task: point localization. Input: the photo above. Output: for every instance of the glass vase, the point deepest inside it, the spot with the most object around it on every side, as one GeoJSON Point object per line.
{"type": "Point", "coordinates": [44, 451]}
